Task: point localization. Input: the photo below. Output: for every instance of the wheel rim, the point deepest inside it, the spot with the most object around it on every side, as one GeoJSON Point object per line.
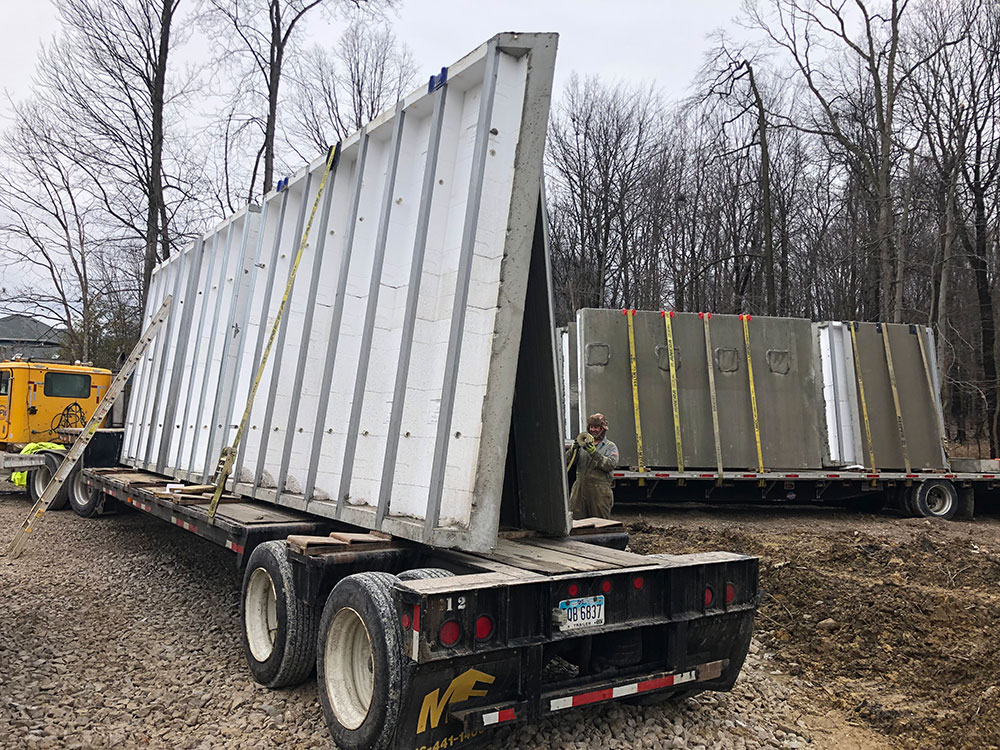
{"type": "Point", "coordinates": [81, 492]}
{"type": "Point", "coordinates": [350, 668]}
{"type": "Point", "coordinates": [938, 501]}
{"type": "Point", "coordinates": [41, 479]}
{"type": "Point", "coordinates": [260, 617]}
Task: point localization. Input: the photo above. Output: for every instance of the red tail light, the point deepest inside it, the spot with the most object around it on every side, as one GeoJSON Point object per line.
{"type": "Point", "coordinates": [450, 633]}
{"type": "Point", "coordinates": [406, 621]}
{"type": "Point", "coordinates": [637, 582]}
{"type": "Point", "coordinates": [484, 627]}
{"type": "Point", "coordinates": [730, 593]}
{"type": "Point", "coordinates": [606, 587]}
{"type": "Point", "coordinates": [709, 596]}
{"type": "Point", "coordinates": [573, 589]}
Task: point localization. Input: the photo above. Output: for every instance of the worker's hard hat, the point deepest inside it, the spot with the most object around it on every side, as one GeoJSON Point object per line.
{"type": "Point", "coordinates": [597, 419]}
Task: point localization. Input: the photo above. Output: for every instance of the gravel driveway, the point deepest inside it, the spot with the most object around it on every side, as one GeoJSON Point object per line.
{"type": "Point", "coordinates": [123, 632]}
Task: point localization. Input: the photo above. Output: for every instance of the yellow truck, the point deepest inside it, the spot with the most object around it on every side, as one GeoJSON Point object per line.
{"type": "Point", "coordinates": [38, 401]}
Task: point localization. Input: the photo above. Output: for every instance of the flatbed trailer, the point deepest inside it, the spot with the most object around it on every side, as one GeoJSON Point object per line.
{"type": "Point", "coordinates": [396, 499]}
{"type": "Point", "coordinates": [453, 644]}
{"type": "Point", "coordinates": [944, 495]}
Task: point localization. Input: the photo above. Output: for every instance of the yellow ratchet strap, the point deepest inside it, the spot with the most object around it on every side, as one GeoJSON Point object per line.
{"type": "Point", "coordinates": [674, 400]}
{"type": "Point", "coordinates": [861, 393]}
{"type": "Point", "coordinates": [753, 395]}
{"type": "Point", "coordinates": [895, 396]}
{"type": "Point", "coordinates": [629, 315]}
{"type": "Point", "coordinates": [711, 391]}
{"type": "Point", "coordinates": [228, 456]}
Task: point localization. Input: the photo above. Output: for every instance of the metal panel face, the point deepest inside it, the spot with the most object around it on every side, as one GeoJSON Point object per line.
{"type": "Point", "coordinates": [386, 401]}
{"type": "Point", "coordinates": [785, 387]}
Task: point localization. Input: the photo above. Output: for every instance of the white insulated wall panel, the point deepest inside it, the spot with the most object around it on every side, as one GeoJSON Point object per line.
{"type": "Point", "coordinates": [371, 406]}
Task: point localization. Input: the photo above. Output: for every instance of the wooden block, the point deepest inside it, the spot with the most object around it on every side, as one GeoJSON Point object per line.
{"type": "Point", "coordinates": [595, 523]}
{"type": "Point", "coordinates": [312, 545]}
{"type": "Point", "coordinates": [355, 538]}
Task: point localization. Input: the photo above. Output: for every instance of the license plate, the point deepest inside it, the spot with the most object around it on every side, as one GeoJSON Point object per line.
{"type": "Point", "coordinates": [583, 612]}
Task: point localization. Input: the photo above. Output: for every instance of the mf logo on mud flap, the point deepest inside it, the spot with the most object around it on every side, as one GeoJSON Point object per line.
{"type": "Point", "coordinates": [461, 689]}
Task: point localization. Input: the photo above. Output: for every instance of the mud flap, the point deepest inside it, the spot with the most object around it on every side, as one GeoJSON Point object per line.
{"type": "Point", "coordinates": [441, 692]}
{"type": "Point", "coordinates": [966, 503]}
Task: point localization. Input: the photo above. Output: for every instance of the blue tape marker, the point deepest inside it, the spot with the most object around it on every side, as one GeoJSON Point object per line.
{"type": "Point", "coordinates": [437, 81]}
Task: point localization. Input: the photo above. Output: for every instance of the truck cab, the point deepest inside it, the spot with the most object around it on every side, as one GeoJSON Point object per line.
{"type": "Point", "coordinates": [37, 399]}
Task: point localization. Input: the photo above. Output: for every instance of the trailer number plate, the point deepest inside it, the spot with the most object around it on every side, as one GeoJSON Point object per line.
{"type": "Point", "coordinates": [583, 612]}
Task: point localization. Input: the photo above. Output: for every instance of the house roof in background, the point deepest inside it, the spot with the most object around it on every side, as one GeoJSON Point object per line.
{"type": "Point", "coordinates": [25, 328]}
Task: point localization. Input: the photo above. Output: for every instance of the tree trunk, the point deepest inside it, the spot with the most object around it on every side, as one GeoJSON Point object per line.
{"type": "Point", "coordinates": [984, 294]}
{"type": "Point", "coordinates": [155, 178]}
{"type": "Point", "coordinates": [901, 242]}
{"type": "Point", "coordinates": [765, 191]}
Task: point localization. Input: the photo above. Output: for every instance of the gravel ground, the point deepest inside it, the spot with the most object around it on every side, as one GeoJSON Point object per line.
{"type": "Point", "coordinates": [123, 632]}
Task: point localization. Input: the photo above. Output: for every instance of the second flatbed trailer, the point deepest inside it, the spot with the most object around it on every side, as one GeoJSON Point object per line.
{"type": "Point", "coordinates": [942, 495]}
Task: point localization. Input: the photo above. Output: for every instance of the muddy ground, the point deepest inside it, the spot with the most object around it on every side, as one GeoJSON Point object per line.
{"type": "Point", "coordinates": [874, 633]}
{"type": "Point", "coordinates": [892, 620]}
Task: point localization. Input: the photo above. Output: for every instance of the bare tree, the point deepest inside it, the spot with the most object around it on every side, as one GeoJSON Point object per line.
{"type": "Point", "coordinates": [725, 71]}
{"type": "Point", "coordinates": [337, 91]}
{"type": "Point", "coordinates": [867, 41]}
{"type": "Point", "coordinates": [258, 37]}
{"type": "Point", "coordinates": [107, 78]}
{"type": "Point", "coordinates": [47, 231]}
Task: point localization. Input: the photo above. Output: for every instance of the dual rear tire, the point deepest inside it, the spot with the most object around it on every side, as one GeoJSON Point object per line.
{"type": "Point", "coordinates": [933, 498]}
{"type": "Point", "coordinates": [38, 480]}
{"type": "Point", "coordinates": [355, 644]}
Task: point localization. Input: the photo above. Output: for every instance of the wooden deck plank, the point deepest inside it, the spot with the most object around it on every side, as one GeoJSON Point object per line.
{"type": "Point", "coordinates": [542, 560]}
{"type": "Point", "coordinates": [615, 557]}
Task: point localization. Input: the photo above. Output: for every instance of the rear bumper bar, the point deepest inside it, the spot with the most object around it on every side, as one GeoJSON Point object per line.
{"type": "Point", "coordinates": [583, 695]}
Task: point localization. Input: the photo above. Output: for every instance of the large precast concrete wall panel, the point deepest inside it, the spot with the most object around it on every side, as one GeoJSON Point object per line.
{"type": "Point", "coordinates": [857, 380]}
{"type": "Point", "coordinates": [387, 399]}
{"type": "Point", "coordinates": [789, 408]}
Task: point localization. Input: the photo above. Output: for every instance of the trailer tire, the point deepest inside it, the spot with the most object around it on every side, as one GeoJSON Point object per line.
{"type": "Point", "coordinates": [418, 574]}
{"type": "Point", "coordinates": [936, 498]}
{"type": "Point", "coordinates": [904, 501]}
{"type": "Point", "coordinates": [360, 666]}
{"type": "Point", "coordinates": [39, 478]}
{"type": "Point", "coordinates": [278, 628]}
{"type": "Point", "coordinates": [87, 502]}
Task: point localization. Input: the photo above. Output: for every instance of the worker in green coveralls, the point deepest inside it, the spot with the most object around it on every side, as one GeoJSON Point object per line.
{"type": "Point", "coordinates": [595, 457]}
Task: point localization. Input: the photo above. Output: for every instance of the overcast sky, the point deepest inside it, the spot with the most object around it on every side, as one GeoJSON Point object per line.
{"type": "Point", "coordinates": [630, 40]}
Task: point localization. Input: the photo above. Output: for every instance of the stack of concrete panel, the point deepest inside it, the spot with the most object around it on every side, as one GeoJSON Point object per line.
{"type": "Point", "coordinates": [388, 399]}
{"type": "Point", "coordinates": [790, 413]}
{"type": "Point", "coordinates": [807, 378]}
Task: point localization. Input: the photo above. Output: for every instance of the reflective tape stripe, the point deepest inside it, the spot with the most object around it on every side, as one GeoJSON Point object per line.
{"type": "Point", "coordinates": [183, 524]}
{"type": "Point", "coordinates": [498, 717]}
{"type": "Point", "coordinates": [237, 548]}
{"type": "Point", "coordinates": [415, 641]}
{"type": "Point", "coordinates": [597, 696]}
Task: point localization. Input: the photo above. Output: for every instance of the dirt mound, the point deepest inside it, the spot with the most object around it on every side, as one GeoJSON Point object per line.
{"type": "Point", "coordinates": [896, 623]}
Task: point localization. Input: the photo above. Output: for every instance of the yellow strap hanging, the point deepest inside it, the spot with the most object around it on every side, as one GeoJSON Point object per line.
{"type": "Point", "coordinates": [895, 397]}
{"type": "Point", "coordinates": [674, 400]}
{"type": "Point", "coordinates": [753, 393]}
{"type": "Point", "coordinates": [711, 391]}
{"type": "Point", "coordinates": [228, 456]}
{"type": "Point", "coordinates": [861, 393]}
{"type": "Point", "coordinates": [629, 314]}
